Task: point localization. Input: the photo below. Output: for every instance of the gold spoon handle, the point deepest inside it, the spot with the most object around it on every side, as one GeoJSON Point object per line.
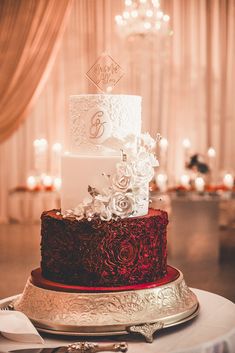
{"type": "Point", "coordinates": [87, 347]}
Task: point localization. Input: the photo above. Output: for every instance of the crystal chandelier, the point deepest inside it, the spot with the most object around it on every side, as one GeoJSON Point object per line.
{"type": "Point", "coordinates": [142, 17]}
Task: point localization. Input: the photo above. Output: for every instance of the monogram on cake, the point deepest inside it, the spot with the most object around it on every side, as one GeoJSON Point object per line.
{"type": "Point", "coordinates": [103, 255]}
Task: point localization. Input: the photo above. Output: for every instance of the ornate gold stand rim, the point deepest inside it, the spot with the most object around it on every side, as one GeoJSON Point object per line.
{"type": "Point", "coordinates": [142, 311]}
{"type": "Point", "coordinates": [57, 330]}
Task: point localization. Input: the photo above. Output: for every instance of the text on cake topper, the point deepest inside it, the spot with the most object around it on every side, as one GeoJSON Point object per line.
{"type": "Point", "coordinates": [105, 73]}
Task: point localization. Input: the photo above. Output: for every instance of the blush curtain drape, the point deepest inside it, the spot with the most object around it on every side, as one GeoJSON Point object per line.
{"type": "Point", "coordinates": [198, 85]}
{"type": "Point", "coordinates": [30, 33]}
{"type": "Point", "coordinates": [186, 83]}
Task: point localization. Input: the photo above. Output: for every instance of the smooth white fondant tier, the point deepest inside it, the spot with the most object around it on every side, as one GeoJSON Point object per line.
{"type": "Point", "coordinates": [78, 172]}
{"type": "Point", "coordinates": [97, 121]}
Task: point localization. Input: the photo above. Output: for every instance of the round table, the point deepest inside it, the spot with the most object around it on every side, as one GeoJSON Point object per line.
{"type": "Point", "coordinates": [213, 331]}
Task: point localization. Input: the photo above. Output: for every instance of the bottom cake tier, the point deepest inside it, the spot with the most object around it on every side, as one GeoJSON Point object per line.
{"type": "Point", "coordinates": [88, 311]}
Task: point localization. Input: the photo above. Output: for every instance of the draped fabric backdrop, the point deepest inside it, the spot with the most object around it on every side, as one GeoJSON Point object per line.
{"type": "Point", "coordinates": [30, 33]}
{"type": "Point", "coordinates": [185, 81]}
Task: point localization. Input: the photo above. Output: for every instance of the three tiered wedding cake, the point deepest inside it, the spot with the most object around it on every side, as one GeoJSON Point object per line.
{"type": "Point", "coordinates": [104, 259]}
{"type": "Point", "coordinates": [108, 237]}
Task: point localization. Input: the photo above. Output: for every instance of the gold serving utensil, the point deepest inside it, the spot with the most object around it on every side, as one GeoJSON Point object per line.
{"type": "Point", "coordinates": [87, 347]}
{"type": "Point", "coordinates": [79, 347]}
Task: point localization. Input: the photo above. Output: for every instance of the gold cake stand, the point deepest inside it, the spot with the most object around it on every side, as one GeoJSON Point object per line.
{"type": "Point", "coordinates": [142, 311]}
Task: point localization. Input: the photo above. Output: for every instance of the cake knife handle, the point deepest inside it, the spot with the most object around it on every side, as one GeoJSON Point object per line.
{"type": "Point", "coordinates": [87, 347]}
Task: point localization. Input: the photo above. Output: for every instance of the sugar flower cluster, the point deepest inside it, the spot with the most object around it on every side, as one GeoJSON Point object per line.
{"type": "Point", "coordinates": [124, 190]}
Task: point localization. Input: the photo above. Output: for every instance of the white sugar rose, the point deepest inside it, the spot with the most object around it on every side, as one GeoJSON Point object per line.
{"type": "Point", "coordinates": [121, 182]}
{"type": "Point", "coordinates": [122, 204]}
{"type": "Point", "coordinates": [124, 168]}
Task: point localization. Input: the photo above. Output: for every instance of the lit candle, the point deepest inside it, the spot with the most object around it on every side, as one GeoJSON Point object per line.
{"type": "Point", "coordinates": [149, 13]}
{"type": "Point", "coordinates": [40, 155]}
{"type": "Point", "coordinates": [57, 147]}
{"type": "Point", "coordinates": [211, 157]}
{"type": "Point", "coordinates": [47, 180]}
{"type": "Point", "coordinates": [185, 180]}
{"type": "Point", "coordinates": [186, 143]}
{"type": "Point", "coordinates": [211, 152]}
{"type": "Point", "coordinates": [134, 13]}
{"type": "Point", "coordinates": [186, 146]}
{"type": "Point", "coordinates": [161, 181]}
{"type": "Point", "coordinates": [31, 182]}
{"type": "Point", "coordinates": [228, 181]}
{"type": "Point", "coordinates": [119, 19]}
{"type": "Point", "coordinates": [199, 184]}
{"type": "Point", "coordinates": [163, 144]}
{"type": "Point", "coordinates": [57, 183]}
{"type": "Point", "coordinates": [56, 158]}
{"type": "Point", "coordinates": [36, 144]}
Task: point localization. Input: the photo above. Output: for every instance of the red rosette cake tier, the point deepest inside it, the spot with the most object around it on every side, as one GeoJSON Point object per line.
{"type": "Point", "coordinates": [123, 252]}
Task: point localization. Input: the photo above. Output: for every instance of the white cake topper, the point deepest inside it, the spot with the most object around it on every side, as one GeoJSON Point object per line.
{"type": "Point", "coordinates": [105, 73]}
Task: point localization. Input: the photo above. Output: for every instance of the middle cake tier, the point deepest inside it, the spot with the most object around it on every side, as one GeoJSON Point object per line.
{"type": "Point", "coordinates": [99, 172]}
{"type": "Point", "coordinates": [96, 253]}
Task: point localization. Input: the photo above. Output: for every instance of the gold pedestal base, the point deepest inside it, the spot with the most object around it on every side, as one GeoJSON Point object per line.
{"type": "Point", "coordinates": [142, 311]}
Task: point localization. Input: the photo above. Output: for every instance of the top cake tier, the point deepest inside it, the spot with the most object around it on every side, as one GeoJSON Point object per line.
{"type": "Point", "coordinates": [98, 121]}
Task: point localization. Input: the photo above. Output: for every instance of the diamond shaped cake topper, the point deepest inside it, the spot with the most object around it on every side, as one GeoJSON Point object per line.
{"type": "Point", "coordinates": [105, 73]}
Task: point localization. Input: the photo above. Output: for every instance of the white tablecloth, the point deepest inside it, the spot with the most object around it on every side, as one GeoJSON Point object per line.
{"type": "Point", "coordinates": [213, 331]}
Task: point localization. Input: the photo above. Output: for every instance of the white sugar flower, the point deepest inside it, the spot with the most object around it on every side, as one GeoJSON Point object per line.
{"type": "Point", "coordinates": [78, 211]}
{"type": "Point", "coordinates": [127, 190]}
{"type": "Point", "coordinates": [142, 196]}
{"type": "Point", "coordinates": [122, 204]}
{"type": "Point", "coordinates": [106, 215]}
{"type": "Point", "coordinates": [129, 147]}
{"type": "Point", "coordinates": [98, 206]}
{"type": "Point", "coordinates": [144, 171]}
{"type": "Point", "coordinates": [89, 212]}
{"type": "Point", "coordinates": [148, 141]}
{"type": "Point", "coordinates": [130, 139]}
{"type": "Point", "coordinates": [124, 168]}
{"type": "Point", "coordinates": [121, 182]}
{"type": "Point", "coordinates": [143, 192]}
{"type": "Point", "coordinates": [87, 200]}
{"type": "Point", "coordinates": [104, 198]}
{"type": "Point", "coordinates": [69, 212]}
